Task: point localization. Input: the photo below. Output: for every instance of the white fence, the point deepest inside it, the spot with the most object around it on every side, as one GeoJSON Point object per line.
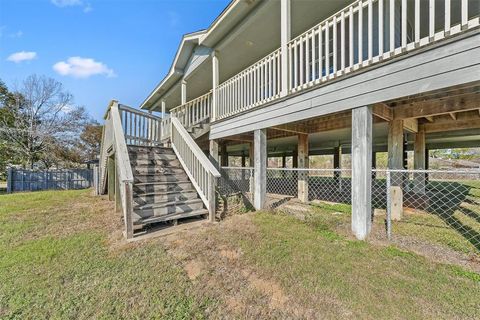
{"type": "Point", "coordinates": [35, 180]}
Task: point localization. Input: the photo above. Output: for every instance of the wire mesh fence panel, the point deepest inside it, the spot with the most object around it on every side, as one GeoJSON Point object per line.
{"type": "Point", "coordinates": [440, 206]}
{"type": "Point", "coordinates": [332, 185]}
{"type": "Point", "coordinates": [235, 190]}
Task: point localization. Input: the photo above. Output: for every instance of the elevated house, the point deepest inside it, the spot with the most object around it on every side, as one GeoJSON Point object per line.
{"type": "Point", "coordinates": [292, 79]}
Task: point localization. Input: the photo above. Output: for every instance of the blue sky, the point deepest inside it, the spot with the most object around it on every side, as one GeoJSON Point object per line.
{"type": "Point", "coordinates": [99, 49]}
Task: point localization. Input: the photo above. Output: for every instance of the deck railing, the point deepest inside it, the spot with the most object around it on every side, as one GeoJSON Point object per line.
{"type": "Point", "coordinates": [189, 114]}
{"type": "Point", "coordinates": [194, 111]}
{"type": "Point", "coordinates": [200, 170]}
{"type": "Point", "coordinates": [140, 128]}
{"type": "Point", "coordinates": [363, 33]}
{"type": "Point", "coordinates": [253, 86]}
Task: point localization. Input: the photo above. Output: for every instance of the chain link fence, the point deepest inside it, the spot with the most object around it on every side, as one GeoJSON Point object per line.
{"type": "Point", "coordinates": [438, 205]}
{"type": "Point", "coordinates": [331, 185]}
{"type": "Point", "coordinates": [235, 190]}
{"type": "Point", "coordinates": [431, 205]}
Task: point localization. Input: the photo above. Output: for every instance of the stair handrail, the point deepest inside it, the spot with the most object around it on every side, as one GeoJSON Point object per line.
{"type": "Point", "coordinates": [201, 171]}
{"type": "Point", "coordinates": [113, 141]}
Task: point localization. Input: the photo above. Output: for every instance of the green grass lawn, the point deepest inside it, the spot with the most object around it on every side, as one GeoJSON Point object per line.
{"type": "Point", "coordinates": [312, 262]}
{"type": "Point", "coordinates": [421, 225]}
{"type": "Point", "coordinates": [57, 263]}
{"type": "Point", "coordinates": [62, 258]}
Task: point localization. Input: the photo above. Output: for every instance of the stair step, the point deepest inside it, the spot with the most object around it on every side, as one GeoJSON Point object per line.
{"type": "Point", "coordinates": [156, 162]}
{"type": "Point", "coordinates": [152, 156]}
{"type": "Point", "coordinates": [149, 148]}
{"type": "Point", "coordinates": [151, 151]}
{"type": "Point", "coordinates": [161, 186]}
{"type": "Point", "coordinates": [155, 170]}
{"type": "Point", "coordinates": [164, 208]}
{"type": "Point", "coordinates": [168, 196]}
{"type": "Point", "coordinates": [167, 204]}
{"type": "Point", "coordinates": [164, 177]}
{"type": "Point", "coordinates": [174, 216]}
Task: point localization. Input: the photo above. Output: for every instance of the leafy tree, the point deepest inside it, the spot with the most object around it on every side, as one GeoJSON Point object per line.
{"type": "Point", "coordinates": [90, 140]}
{"type": "Point", "coordinates": [41, 118]}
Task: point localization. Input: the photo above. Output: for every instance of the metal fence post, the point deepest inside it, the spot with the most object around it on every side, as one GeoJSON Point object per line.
{"type": "Point", "coordinates": [389, 207]}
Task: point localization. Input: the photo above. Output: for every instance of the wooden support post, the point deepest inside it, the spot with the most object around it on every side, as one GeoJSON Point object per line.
{"type": "Point", "coordinates": [128, 209]}
{"type": "Point", "coordinates": [111, 178]}
{"type": "Point", "coordinates": [183, 92]}
{"type": "Point", "coordinates": [419, 162]}
{"type": "Point", "coordinates": [395, 144]}
{"type": "Point", "coordinates": [260, 165]}
{"type": "Point", "coordinates": [285, 37]}
{"type": "Point", "coordinates": [395, 161]}
{"type": "Point", "coordinates": [361, 171]}
{"type": "Point", "coordinates": [295, 158]}
{"type": "Point", "coordinates": [284, 161]}
{"type": "Point", "coordinates": [337, 164]}
{"type": "Point", "coordinates": [251, 160]}
{"type": "Point", "coordinates": [427, 163]}
{"type": "Point", "coordinates": [215, 83]}
{"type": "Point", "coordinates": [224, 155]}
{"type": "Point", "coordinates": [118, 198]}
{"type": "Point", "coordinates": [212, 182]}
{"type": "Point", "coordinates": [164, 108]}
{"type": "Point", "coordinates": [303, 163]}
{"type": "Point", "coordinates": [374, 165]}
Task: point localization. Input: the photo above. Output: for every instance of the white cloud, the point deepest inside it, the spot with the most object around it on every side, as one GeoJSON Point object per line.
{"type": "Point", "coordinates": [79, 67]}
{"type": "Point", "coordinates": [17, 34]}
{"type": "Point", "coordinates": [87, 8]}
{"type": "Point", "coordinates": [67, 3]}
{"type": "Point", "coordinates": [21, 56]}
{"type": "Point", "coordinates": [71, 3]}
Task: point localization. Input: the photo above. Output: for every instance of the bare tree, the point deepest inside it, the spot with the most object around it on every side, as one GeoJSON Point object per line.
{"type": "Point", "coordinates": [43, 116]}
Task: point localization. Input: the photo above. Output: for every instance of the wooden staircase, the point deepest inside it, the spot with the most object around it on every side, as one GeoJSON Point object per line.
{"type": "Point", "coordinates": [162, 190]}
{"type": "Point", "coordinates": [154, 184]}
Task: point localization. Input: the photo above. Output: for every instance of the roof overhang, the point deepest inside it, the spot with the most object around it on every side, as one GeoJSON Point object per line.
{"type": "Point", "coordinates": [232, 15]}
{"type": "Point", "coordinates": [185, 49]}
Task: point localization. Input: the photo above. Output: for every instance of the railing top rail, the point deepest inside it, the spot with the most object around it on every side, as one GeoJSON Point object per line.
{"type": "Point", "coordinates": [195, 149]}
{"type": "Point", "coordinates": [192, 101]}
{"type": "Point", "coordinates": [241, 168]}
{"type": "Point", "coordinates": [139, 112]}
{"type": "Point", "coordinates": [346, 9]}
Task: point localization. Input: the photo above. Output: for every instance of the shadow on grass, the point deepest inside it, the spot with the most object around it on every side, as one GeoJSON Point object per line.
{"type": "Point", "coordinates": [441, 198]}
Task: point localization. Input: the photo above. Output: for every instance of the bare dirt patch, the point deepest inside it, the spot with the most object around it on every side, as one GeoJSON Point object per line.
{"type": "Point", "coordinates": [218, 269]}
{"type": "Point", "coordinates": [193, 269]}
